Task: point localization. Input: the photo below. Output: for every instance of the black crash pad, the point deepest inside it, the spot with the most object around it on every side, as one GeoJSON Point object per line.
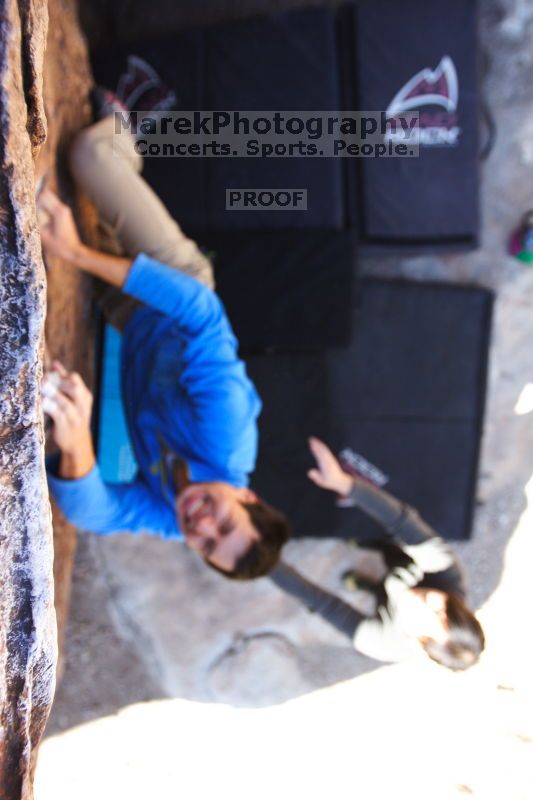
{"type": "Point", "coordinates": [408, 394]}
{"type": "Point", "coordinates": [285, 289]}
{"type": "Point", "coordinates": [432, 200]}
{"type": "Point", "coordinates": [285, 61]}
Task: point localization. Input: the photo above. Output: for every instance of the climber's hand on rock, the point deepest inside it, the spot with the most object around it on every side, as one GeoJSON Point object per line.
{"type": "Point", "coordinates": [68, 401]}
{"type": "Point", "coordinates": [59, 234]}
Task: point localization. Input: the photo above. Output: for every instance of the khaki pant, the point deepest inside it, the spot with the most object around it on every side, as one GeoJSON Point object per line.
{"type": "Point", "coordinates": [107, 167]}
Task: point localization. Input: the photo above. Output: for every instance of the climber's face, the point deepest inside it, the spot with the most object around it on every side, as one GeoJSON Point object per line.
{"type": "Point", "coordinates": [215, 522]}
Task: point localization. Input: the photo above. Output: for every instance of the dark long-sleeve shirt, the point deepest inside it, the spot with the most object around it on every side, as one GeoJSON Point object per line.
{"type": "Point", "coordinates": [425, 560]}
{"type": "Point", "coordinates": [415, 556]}
{"type": "Point", "coordinates": [433, 560]}
{"type": "Point", "coordinates": [333, 609]}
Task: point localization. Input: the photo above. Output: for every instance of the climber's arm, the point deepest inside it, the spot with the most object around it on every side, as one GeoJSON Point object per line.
{"type": "Point", "coordinates": [69, 404]}
{"type": "Point", "coordinates": [60, 238]}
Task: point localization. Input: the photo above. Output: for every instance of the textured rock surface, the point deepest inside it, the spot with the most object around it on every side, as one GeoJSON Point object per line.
{"type": "Point", "coordinates": [28, 636]}
{"type": "Point", "coordinates": [27, 621]}
{"type": "Point", "coordinates": [69, 332]}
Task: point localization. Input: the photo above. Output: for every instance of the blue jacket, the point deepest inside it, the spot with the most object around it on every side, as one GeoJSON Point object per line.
{"type": "Point", "coordinates": [183, 381]}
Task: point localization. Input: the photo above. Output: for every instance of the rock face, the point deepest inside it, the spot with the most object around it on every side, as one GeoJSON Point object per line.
{"type": "Point", "coordinates": [69, 338]}
{"type": "Point", "coordinates": [27, 620]}
{"type": "Point", "coordinates": [28, 635]}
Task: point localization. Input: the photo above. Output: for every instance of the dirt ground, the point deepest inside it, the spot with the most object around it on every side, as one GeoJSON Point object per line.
{"type": "Point", "coordinates": [129, 639]}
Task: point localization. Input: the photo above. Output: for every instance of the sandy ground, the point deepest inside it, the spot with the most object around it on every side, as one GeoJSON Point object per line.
{"type": "Point", "coordinates": [174, 686]}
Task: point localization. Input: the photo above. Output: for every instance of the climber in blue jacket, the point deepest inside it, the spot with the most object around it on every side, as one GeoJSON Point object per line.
{"type": "Point", "coordinates": [190, 407]}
